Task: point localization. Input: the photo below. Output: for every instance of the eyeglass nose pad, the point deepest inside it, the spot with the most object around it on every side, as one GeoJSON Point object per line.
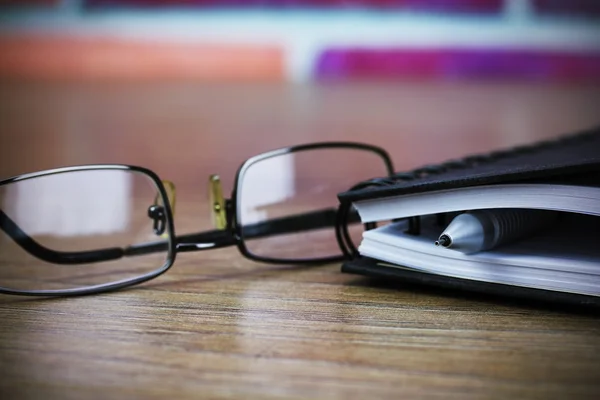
{"type": "Point", "coordinates": [156, 212]}
{"type": "Point", "coordinates": [217, 202]}
{"type": "Point", "coordinates": [157, 215]}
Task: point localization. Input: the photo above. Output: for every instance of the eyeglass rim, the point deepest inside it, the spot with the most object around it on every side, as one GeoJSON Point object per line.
{"type": "Point", "coordinates": [236, 228]}
{"type": "Point", "coordinates": [233, 226]}
{"type": "Point", "coordinates": [101, 288]}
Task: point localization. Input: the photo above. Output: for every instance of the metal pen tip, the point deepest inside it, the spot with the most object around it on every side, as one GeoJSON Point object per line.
{"type": "Point", "coordinates": [444, 241]}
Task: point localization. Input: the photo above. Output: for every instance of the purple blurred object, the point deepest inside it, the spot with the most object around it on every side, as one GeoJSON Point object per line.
{"type": "Point", "coordinates": [461, 6]}
{"type": "Point", "coordinates": [576, 8]}
{"type": "Point", "coordinates": [458, 64]}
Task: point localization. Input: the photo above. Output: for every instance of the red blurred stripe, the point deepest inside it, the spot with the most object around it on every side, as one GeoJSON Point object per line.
{"type": "Point", "coordinates": [66, 58]}
{"type": "Point", "coordinates": [28, 3]}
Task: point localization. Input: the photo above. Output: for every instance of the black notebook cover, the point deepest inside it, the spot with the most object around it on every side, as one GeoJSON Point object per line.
{"type": "Point", "coordinates": [574, 158]}
{"type": "Point", "coordinates": [569, 157]}
{"type": "Point", "coordinates": [376, 269]}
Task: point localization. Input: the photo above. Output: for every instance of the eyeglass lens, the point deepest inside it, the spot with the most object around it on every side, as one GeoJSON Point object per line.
{"type": "Point", "coordinates": [298, 190]}
{"type": "Point", "coordinates": [79, 222]}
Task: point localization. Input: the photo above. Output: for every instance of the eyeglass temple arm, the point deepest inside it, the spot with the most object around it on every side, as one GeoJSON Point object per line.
{"type": "Point", "coordinates": [220, 238]}
{"type": "Point", "coordinates": [184, 243]}
{"type": "Point", "coordinates": [191, 242]}
{"type": "Point", "coordinates": [53, 256]}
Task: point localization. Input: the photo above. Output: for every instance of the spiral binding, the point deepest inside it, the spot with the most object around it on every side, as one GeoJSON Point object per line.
{"type": "Point", "coordinates": [341, 228]}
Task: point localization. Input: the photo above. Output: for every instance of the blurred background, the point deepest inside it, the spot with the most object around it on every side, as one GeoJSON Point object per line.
{"type": "Point", "coordinates": [194, 87]}
{"type": "Point", "coordinates": [301, 40]}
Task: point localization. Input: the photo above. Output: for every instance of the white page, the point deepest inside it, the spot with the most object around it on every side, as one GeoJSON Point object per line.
{"type": "Point", "coordinates": [563, 259]}
{"type": "Point", "coordinates": [569, 198]}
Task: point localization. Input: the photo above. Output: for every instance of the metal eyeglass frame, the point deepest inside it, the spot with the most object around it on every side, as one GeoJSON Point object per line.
{"type": "Point", "coordinates": [226, 216]}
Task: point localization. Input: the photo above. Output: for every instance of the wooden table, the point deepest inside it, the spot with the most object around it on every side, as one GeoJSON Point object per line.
{"type": "Point", "coordinates": [220, 326]}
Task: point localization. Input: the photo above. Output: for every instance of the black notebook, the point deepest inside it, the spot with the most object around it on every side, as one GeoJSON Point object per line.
{"type": "Point", "coordinates": [407, 212]}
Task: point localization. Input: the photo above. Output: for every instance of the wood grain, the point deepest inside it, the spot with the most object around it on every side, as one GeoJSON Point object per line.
{"type": "Point", "coordinates": [220, 326]}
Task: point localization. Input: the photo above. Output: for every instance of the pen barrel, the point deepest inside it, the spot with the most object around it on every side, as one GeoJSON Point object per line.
{"type": "Point", "coordinates": [508, 225]}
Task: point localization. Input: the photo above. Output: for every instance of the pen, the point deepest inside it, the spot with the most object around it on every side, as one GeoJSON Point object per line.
{"type": "Point", "coordinates": [481, 230]}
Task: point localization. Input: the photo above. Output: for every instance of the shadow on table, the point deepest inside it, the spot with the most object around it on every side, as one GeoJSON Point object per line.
{"type": "Point", "coordinates": [476, 298]}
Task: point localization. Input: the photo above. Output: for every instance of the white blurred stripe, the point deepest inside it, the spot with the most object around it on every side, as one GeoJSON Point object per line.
{"type": "Point", "coordinates": [71, 204]}
{"type": "Point", "coordinates": [266, 182]}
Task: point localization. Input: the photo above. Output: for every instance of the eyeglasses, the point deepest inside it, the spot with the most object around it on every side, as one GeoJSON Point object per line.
{"type": "Point", "coordinates": [94, 228]}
